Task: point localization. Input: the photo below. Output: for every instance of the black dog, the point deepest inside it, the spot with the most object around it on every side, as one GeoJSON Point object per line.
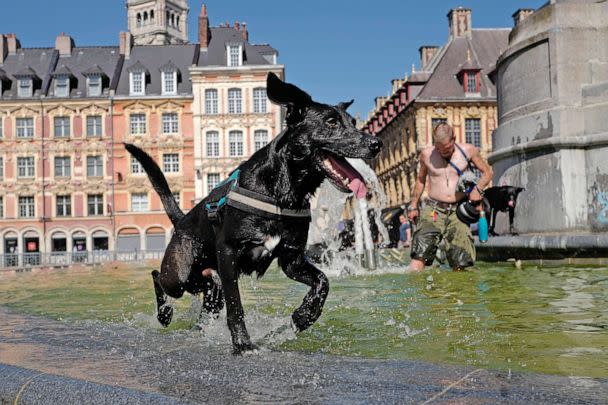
{"type": "Point", "coordinates": [236, 241]}
{"type": "Point", "coordinates": [501, 198]}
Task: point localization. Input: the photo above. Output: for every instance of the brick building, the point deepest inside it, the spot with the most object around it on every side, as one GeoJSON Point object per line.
{"type": "Point", "coordinates": [68, 185]}
{"type": "Point", "coordinates": [452, 85]}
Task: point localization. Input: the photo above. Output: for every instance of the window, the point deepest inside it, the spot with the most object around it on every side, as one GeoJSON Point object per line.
{"type": "Point", "coordinates": [62, 86]}
{"type": "Point", "coordinates": [1, 168]}
{"type": "Point", "coordinates": [94, 125]}
{"type": "Point", "coordinates": [234, 55]}
{"type": "Point", "coordinates": [471, 82]}
{"type": "Point", "coordinates": [259, 100]}
{"type": "Point", "coordinates": [211, 101]}
{"type": "Point", "coordinates": [136, 167]}
{"type": "Point", "coordinates": [25, 88]}
{"type": "Point", "coordinates": [94, 166]}
{"type": "Point", "coordinates": [170, 123]}
{"type": "Point", "coordinates": [1, 124]}
{"type": "Point", "coordinates": [26, 207]}
{"type": "Point", "coordinates": [64, 206]}
{"type": "Point", "coordinates": [234, 101]}
{"type": "Point", "coordinates": [62, 127]}
{"type": "Point", "coordinates": [25, 167]}
{"type": "Point", "coordinates": [169, 82]}
{"type": "Point", "coordinates": [138, 124]}
{"type": "Point", "coordinates": [213, 144]}
{"type": "Point", "coordinates": [139, 202]}
{"type": "Point", "coordinates": [473, 131]}
{"type": "Point", "coordinates": [213, 179]}
{"type": "Point", "coordinates": [177, 198]}
{"type": "Point", "coordinates": [1, 207]}
{"type": "Point", "coordinates": [138, 86]}
{"type": "Point", "coordinates": [437, 121]}
{"type": "Point", "coordinates": [62, 166]}
{"type": "Point", "coordinates": [95, 204]}
{"type": "Point", "coordinates": [25, 127]}
{"type": "Point", "coordinates": [235, 139]}
{"type": "Point", "coordinates": [171, 163]}
{"type": "Point", "coordinates": [260, 139]}
{"type": "Point", "coordinates": [94, 85]}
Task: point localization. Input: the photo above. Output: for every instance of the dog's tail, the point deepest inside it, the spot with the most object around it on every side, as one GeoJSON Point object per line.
{"type": "Point", "coordinates": [157, 178]}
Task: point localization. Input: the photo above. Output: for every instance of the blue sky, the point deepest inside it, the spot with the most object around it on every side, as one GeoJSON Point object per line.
{"type": "Point", "coordinates": [334, 49]}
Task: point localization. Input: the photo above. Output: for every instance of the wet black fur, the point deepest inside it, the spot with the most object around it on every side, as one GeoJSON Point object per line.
{"type": "Point", "coordinates": [288, 170]}
{"type": "Point", "coordinates": [497, 199]}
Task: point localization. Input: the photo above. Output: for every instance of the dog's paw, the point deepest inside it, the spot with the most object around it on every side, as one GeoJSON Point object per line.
{"type": "Point", "coordinates": [164, 316]}
{"type": "Point", "coordinates": [244, 348]}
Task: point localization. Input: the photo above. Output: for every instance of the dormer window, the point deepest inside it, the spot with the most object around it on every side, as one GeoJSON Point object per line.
{"type": "Point", "coordinates": [235, 55]}
{"type": "Point", "coordinates": [169, 83]}
{"type": "Point", "coordinates": [94, 85]}
{"type": "Point", "coordinates": [137, 84]}
{"type": "Point", "coordinates": [96, 78]}
{"type": "Point", "coordinates": [169, 78]}
{"type": "Point", "coordinates": [62, 86]}
{"type": "Point", "coordinates": [471, 82]}
{"type": "Point", "coordinates": [25, 87]}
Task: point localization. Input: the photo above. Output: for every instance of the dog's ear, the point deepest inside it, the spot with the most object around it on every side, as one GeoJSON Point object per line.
{"type": "Point", "coordinates": [520, 189]}
{"type": "Point", "coordinates": [286, 94]}
{"type": "Point", "coordinates": [344, 105]}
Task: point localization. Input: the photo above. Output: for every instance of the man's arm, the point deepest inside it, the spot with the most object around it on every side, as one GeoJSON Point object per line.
{"type": "Point", "coordinates": [486, 174]}
{"type": "Point", "coordinates": [419, 186]}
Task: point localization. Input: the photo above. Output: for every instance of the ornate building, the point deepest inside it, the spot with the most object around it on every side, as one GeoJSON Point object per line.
{"type": "Point", "coordinates": [68, 185]}
{"type": "Point", "coordinates": [232, 116]}
{"type": "Point", "coordinates": [453, 85]}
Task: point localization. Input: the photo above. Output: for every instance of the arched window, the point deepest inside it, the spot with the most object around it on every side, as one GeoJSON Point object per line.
{"type": "Point", "coordinates": [145, 17]}
{"type": "Point", "coordinates": [138, 20]}
{"type": "Point", "coordinates": [235, 140]}
{"type": "Point", "coordinates": [151, 16]}
{"type": "Point", "coordinates": [260, 139]}
{"type": "Point", "coordinates": [177, 25]}
{"type": "Point", "coordinates": [173, 20]}
{"type": "Point", "coordinates": [211, 101]}
{"type": "Point", "coordinates": [168, 18]}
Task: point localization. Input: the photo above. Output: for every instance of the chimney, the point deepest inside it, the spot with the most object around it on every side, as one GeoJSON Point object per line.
{"type": "Point", "coordinates": [204, 33]}
{"type": "Point", "coordinates": [3, 48]}
{"type": "Point", "coordinates": [521, 15]}
{"type": "Point", "coordinates": [12, 43]}
{"type": "Point", "coordinates": [245, 33]}
{"type": "Point", "coordinates": [64, 44]}
{"type": "Point", "coordinates": [126, 43]}
{"type": "Point", "coordinates": [426, 54]}
{"type": "Point", "coordinates": [460, 22]}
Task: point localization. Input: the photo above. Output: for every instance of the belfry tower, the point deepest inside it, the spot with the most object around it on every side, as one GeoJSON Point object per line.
{"type": "Point", "coordinates": [158, 22]}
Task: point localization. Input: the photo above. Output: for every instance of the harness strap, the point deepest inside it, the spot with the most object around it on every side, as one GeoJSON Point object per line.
{"type": "Point", "coordinates": [250, 201]}
{"type": "Point", "coordinates": [461, 172]}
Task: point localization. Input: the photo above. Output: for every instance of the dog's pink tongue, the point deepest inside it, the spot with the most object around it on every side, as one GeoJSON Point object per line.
{"type": "Point", "coordinates": [510, 203]}
{"type": "Point", "coordinates": [358, 187]}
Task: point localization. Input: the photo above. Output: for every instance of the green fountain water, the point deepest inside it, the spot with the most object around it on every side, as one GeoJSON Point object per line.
{"type": "Point", "coordinates": [551, 320]}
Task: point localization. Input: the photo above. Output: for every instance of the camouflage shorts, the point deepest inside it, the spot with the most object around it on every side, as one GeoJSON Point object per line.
{"type": "Point", "coordinates": [444, 225]}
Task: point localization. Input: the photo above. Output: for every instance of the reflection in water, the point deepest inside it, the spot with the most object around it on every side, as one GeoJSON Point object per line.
{"type": "Point", "coordinates": [550, 320]}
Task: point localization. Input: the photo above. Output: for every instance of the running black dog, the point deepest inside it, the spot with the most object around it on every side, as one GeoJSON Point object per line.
{"type": "Point", "coordinates": [243, 236]}
{"type": "Point", "coordinates": [501, 198]}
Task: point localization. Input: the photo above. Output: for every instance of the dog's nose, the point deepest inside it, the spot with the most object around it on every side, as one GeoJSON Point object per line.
{"type": "Point", "coordinates": [376, 145]}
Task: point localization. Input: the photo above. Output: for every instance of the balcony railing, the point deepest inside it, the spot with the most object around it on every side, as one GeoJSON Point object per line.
{"type": "Point", "coordinates": [59, 259]}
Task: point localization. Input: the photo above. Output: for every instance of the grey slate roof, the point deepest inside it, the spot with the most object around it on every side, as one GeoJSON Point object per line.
{"type": "Point", "coordinates": [152, 58]}
{"type": "Point", "coordinates": [215, 54]}
{"type": "Point", "coordinates": [485, 46]}
{"type": "Point", "coordinates": [82, 60]}
{"type": "Point", "coordinates": [28, 61]}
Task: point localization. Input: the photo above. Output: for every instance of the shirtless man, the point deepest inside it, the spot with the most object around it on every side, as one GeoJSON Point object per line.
{"type": "Point", "coordinates": [438, 219]}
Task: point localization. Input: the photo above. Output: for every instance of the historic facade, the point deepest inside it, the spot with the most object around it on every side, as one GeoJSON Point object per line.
{"type": "Point", "coordinates": [68, 185]}
{"type": "Point", "coordinates": [453, 85]}
{"type": "Point", "coordinates": [232, 116]}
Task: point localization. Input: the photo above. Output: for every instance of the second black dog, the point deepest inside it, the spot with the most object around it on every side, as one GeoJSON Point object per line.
{"type": "Point", "coordinates": [503, 199]}
{"type": "Point", "coordinates": [242, 238]}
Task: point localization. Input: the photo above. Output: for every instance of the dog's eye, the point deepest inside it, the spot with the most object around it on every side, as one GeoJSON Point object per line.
{"type": "Point", "coordinates": [332, 122]}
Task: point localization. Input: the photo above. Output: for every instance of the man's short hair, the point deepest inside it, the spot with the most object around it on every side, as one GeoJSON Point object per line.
{"type": "Point", "coordinates": [442, 132]}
